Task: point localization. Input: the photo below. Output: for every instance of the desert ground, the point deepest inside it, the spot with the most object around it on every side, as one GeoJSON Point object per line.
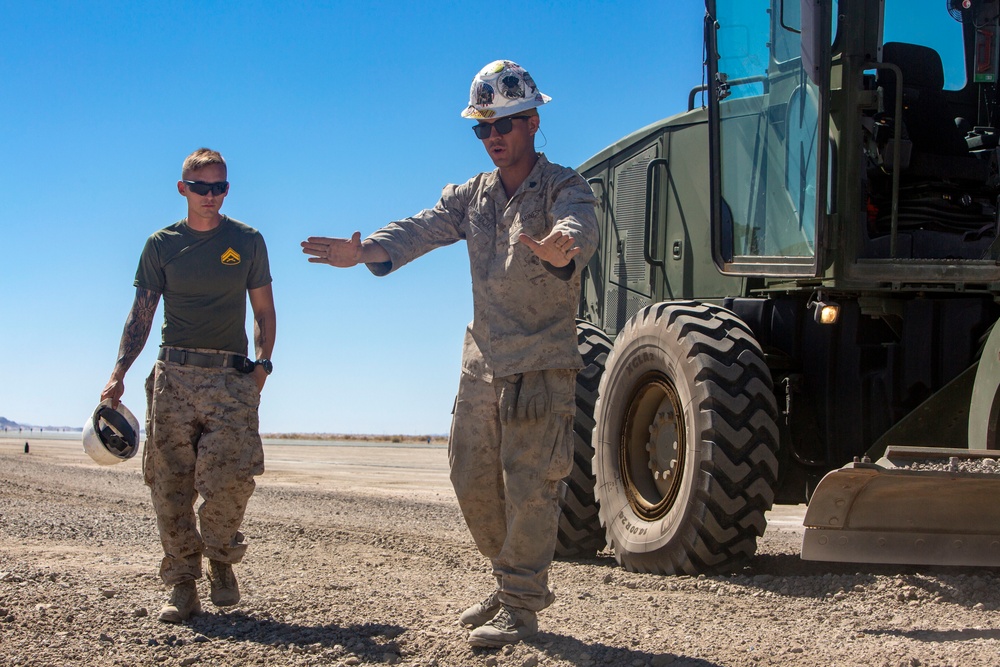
{"type": "Point", "coordinates": [359, 556]}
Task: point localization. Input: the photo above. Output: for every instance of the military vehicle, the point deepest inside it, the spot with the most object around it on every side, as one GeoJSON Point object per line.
{"type": "Point", "coordinates": [794, 297]}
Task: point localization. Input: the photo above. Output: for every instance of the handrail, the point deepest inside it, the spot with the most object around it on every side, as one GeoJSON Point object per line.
{"type": "Point", "coordinates": [757, 78]}
{"type": "Point", "coordinates": [604, 190]}
{"type": "Point", "coordinates": [647, 229]}
{"type": "Point", "coordinates": [897, 140]}
{"type": "Point", "coordinates": [694, 93]}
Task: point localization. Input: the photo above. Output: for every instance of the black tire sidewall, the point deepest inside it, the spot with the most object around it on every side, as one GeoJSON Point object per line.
{"type": "Point", "coordinates": [580, 533]}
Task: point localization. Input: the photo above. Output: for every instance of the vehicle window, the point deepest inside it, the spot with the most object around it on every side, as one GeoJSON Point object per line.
{"type": "Point", "coordinates": [786, 41]}
{"type": "Point", "coordinates": [768, 131]}
{"type": "Point", "coordinates": [907, 21]}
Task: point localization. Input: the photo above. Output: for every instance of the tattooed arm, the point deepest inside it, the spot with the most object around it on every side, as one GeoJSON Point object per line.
{"type": "Point", "coordinates": [137, 326]}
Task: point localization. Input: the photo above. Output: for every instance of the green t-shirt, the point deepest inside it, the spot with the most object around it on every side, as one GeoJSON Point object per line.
{"type": "Point", "coordinates": [204, 278]}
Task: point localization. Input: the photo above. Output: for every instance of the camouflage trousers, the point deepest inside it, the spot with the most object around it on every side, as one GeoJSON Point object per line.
{"type": "Point", "coordinates": [507, 471]}
{"type": "Point", "coordinates": [201, 439]}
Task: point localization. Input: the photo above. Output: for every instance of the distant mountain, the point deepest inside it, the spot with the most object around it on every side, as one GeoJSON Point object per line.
{"type": "Point", "coordinates": [7, 424]}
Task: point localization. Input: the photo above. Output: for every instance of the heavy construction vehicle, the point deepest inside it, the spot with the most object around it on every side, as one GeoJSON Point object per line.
{"type": "Point", "coordinates": [799, 273]}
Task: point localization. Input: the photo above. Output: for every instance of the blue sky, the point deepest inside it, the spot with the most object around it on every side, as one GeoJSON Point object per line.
{"type": "Point", "coordinates": [334, 117]}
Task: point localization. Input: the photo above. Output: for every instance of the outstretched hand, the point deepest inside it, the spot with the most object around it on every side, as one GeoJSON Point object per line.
{"type": "Point", "coordinates": [344, 253]}
{"type": "Point", "coordinates": [558, 248]}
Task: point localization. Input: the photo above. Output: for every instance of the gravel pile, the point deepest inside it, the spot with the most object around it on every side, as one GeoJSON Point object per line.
{"type": "Point", "coordinates": [957, 464]}
{"type": "Point", "coordinates": [337, 578]}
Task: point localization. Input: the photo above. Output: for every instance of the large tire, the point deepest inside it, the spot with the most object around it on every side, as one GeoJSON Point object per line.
{"type": "Point", "coordinates": [580, 532]}
{"type": "Point", "coordinates": [685, 441]}
{"type": "Point", "coordinates": [984, 408]}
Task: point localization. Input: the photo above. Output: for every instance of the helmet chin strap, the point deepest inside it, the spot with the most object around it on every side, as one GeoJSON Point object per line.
{"type": "Point", "coordinates": [111, 435]}
{"type": "Point", "coordinates": [118, 433]}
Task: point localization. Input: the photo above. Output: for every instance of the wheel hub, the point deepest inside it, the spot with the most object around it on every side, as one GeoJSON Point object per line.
{"type": "Point", "coordinates": [652, 455]}
{"type": "Point", "coordinates": [662, 445]}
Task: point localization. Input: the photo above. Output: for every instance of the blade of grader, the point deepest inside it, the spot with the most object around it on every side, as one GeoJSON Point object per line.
{"type": "Point", "coordinates": [898, 511]}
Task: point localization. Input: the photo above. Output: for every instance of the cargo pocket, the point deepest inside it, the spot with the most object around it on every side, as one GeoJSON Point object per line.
{"type": "Point", "coordinates": [155, 384]}
{"type": "Point", "coordinates": [560, 432]}
{"type": "Point", "coordinates": [456, 413]}
{"type": "Point", "coordinates": [243, 389]}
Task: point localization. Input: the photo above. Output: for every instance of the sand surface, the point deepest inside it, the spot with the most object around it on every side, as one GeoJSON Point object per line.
{"type": "Point", "coordinates": [359, 556]}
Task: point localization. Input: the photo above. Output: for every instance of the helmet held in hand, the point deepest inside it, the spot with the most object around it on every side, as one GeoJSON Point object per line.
{"type": "Point", "coordinates": [111, 435]}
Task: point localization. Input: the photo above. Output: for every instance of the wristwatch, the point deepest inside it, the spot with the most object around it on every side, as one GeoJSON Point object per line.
{"type": "Point", "coordinates": [266, 364]}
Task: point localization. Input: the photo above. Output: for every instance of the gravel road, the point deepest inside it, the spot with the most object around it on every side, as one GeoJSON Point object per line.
{"type": "Point", "coordinates": [366, 561]}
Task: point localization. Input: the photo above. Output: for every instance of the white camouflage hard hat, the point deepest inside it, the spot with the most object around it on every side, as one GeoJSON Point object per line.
{"type": "Point", "coordinates": [111, 435]}
{"type": "Point", "coordinates": [502, 88]}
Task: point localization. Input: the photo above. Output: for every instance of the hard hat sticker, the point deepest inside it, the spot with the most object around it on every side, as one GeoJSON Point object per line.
{"type": "Point", "coordinates": [512, 86]}
{"type": "Point", "coordinates": [484, 94]}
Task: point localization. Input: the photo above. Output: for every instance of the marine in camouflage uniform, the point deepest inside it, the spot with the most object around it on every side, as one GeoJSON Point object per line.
{"type": "Point", "coordinates": [530, 226]}
{"type": "Point", "coordinates": [201, 439]}
{"type": "Point", "coordinates": [203, 393]}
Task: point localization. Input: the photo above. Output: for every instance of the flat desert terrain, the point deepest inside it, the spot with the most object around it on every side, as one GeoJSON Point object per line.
{"type": "Point", "coordinates": [359, 556]}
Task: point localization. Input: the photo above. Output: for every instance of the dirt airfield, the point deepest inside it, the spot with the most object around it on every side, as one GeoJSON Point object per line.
{"type": "Point", "coordinates": [359, 556]}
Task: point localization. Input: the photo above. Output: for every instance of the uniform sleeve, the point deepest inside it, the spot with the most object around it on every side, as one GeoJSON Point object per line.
{"type": "Point", "coordinates": [149, 275]}
{"type": "Point", "coordinates": [573, 208]}
{"type": "Point", "coordinates": [260, 269]}
{"type": "Point", "coordinates": [407, 239]}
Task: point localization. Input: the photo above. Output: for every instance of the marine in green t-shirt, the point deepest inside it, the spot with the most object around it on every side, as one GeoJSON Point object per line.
{"type": "Point", "coordinates": [204, 278]}
{"type": "Point", "coordinates": [202, 425]}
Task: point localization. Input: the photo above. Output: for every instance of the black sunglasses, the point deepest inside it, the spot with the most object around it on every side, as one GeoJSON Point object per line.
{"type": "Point", "coordinates": [202, 188]}
{"type": "Point", "coordinates": [503, 126]}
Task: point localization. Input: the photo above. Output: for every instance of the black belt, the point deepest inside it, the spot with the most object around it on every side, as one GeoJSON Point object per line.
{"type": "Point", "coordinates": [206, 360]}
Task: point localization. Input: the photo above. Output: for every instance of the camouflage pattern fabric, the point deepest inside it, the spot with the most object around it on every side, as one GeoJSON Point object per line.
{"type": "Point", "coordinates": [201, 439]}
{"type": "Point", "coordinates": [524, 316]}
{"type": "Point", "coordinates": [506, 468]}
{"type": "Point", "coordinates": [507, 475]}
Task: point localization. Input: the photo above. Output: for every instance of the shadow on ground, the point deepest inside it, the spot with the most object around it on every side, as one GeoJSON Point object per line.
{"type": "Point", "coordinates": [369, 640]}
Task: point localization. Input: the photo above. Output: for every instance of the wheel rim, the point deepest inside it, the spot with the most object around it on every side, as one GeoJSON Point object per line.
{"type": "Point", "coordinates": [651, 458]}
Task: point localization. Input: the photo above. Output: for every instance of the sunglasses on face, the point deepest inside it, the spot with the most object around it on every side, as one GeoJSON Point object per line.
{"type": "Point", "coordinates": [202, 188]}
{"type": "Point", "coordinates": [502, 126]}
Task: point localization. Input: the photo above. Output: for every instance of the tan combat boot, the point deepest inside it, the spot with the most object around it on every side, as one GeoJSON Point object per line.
{"type": "Point", "coordinates": [481, 612]}
{"type": "Point", "coordinates": [182, 604]}
{"type": "Point", "coordinates": [509, 626]}
{"type": "Point", "coordinates": [224, 589]}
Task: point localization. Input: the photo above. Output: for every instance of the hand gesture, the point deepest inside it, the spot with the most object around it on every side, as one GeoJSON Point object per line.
{"type": "Point", "coordinates": [558, 248]}
{"type": "Point", "coordinates": [344, 253]}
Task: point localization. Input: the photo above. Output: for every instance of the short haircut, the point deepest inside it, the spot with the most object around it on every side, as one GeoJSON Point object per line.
{"type": "Point", "coordinates": [201, 158]}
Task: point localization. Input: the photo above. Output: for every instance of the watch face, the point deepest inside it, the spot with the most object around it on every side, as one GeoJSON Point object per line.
{"type": "Point", "coordinates": [266, 363]}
